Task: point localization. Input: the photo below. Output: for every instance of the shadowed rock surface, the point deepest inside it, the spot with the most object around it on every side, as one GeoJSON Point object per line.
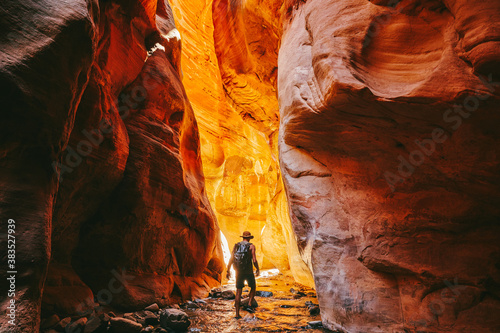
{"type": "Point", "coordinates": [100, 160]}
{"type": "Point", "coordinates": [389, 156]}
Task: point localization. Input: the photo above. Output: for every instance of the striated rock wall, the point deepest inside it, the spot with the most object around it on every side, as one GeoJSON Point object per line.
{"type": "Point", "coordinates": [40, 93]}
{"type": "Point", "coordinates": [100, 160]}
{"type": "Point", "coordinates": [230, 66]}
{"type": "Point", "coordinates": [389, 156]}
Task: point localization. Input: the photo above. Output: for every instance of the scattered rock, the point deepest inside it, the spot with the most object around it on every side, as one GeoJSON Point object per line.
{"type": "Point", "coordinates": [244, 302]}
{"type": "Point", "coordinates": [191, 305]}
{"type": "Point", "coordinates": [315, 324]}
{"type": "Point", "coordinates": [160, 330]}
{"type": "Point", "coordinates": [199, 301]}
{"type": "Point", "coordinates": [104, 317]}
{"type": "Point", "coordinates": [77, 326]}
{"type": "Point", "coordinates": [264, 293]}
{"type": "Point", "coordinates": [174, 319]}
{"type": "Point", "coordinates": [150, 318]}
{"type": "Point", "coordinates": [153, 308]}
{"type": "Point", "coordinates": [50, 321]}
{"type": "Point", "coordinates": [215, 293]}
{"type": "Point", "coordinates": [62, 324]}
{"type": "Point", "coordinates": [176, 306]}
{"type": "Point", "coordinates": [95, 325]}
{"type": "Point", "coordinates": [314, 310]}
{"type": "Point", "coordinates": [147, 329]}
{"type": "Point", "coordinates": [228, 294]}
{"type": "Point", "coordinates": [130, 316]}
{"type": "Point", "coordinates": [297, 294]}
{"type": "Point", "coordinates": [123, 325]}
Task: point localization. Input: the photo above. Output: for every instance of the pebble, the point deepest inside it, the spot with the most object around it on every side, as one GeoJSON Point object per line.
{"type": "Point", "coordinates": [123, 325]}
{"type": "Point", "coordinates": [50, 321]}
{"type": "Point", "coordinates": [94, 325]}
{"type": "Point", "coordinates": [153, 308]}
{"type": "Point", "coordinates": [264, 293]}
{"type": "Point", "coordinates": [62, 324]}
{"type": "Point", "coordinates": [77, 325]}
{"type": "Point", "coordinates": [314, 310]}
{"type": "Point", "coordinates": [315, 324]}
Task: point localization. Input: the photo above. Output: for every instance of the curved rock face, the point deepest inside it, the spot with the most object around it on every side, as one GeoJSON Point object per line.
{"type": "Point", "coordinates": [100, 160]}
{"type": "Point", "coordinates": [388, 153]}
{"type": "Point", "coordinates": [229, 65]}
{"type": "Point", "coordinates": [40, 92]}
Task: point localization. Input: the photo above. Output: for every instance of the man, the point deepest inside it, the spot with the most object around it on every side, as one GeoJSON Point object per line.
{"type": "Point", "coordinates": [242, 257]}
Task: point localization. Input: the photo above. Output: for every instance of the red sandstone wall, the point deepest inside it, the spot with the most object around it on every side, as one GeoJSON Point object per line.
{"type": "Point", "coordinates": [100, 159]}
{"type": "Point", "coordinates": [366, 88]}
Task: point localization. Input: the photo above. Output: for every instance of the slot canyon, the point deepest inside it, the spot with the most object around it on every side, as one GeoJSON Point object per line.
{"type": "Point", "coordinates": [357, 141]}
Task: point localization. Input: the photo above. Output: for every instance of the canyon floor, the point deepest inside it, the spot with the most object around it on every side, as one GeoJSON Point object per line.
{"type": "Point", "coordinates": [284, 311]}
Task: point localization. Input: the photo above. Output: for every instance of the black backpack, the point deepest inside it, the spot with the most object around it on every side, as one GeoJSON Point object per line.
{"type": "Point", "coordinates": [242, 256]}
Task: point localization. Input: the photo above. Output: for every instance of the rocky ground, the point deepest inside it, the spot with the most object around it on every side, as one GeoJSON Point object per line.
{"type": "Point", "coordinates": [283, 306]}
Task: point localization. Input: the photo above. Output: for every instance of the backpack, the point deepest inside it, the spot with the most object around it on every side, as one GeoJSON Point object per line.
{"type": "Point", "coordinates": [242, 256]}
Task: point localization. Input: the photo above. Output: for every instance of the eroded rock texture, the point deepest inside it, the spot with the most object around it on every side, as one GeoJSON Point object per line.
{"type": "Point", "coordinates": [389, 153]}
{"type": "Point", "coordinates": [229, 63]}
{"type": "Point", "coordinates": [100, 161]}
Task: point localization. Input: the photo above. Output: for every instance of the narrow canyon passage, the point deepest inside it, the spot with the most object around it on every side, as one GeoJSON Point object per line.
{"type": "Point", "coordinates": [283, 306]}
{"type": "Point", "coordinates": [356, 140]}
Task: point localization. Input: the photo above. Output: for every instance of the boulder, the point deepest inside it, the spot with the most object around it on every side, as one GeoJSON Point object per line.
{"type": "Point", "coordinates": [150, 318]}
{"type": "Point", "coordinates": [174, 319]}
{"type": "Point", "coordinates": [122, 325]}
{"type": "Point", "coordinates": [228, 294]}
{"type": "Point", "coordinates": [244, 302]}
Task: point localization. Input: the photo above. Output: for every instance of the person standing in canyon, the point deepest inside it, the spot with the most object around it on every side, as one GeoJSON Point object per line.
{"type": "Point", "coordinates": [243, 255]}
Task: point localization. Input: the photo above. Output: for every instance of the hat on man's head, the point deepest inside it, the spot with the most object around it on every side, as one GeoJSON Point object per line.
{"type": "Point", "coordinates": [247, 234]}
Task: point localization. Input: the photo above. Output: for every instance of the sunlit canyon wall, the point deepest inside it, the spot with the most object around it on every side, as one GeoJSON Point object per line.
{"type": "Point", "coordinates": [229, 65]}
